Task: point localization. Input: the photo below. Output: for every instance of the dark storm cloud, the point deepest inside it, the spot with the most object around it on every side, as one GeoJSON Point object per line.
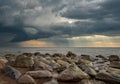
{"type": "Point", "coordinates": [107, 8]}
{"type": "Point", "coordinates": [22, 20]}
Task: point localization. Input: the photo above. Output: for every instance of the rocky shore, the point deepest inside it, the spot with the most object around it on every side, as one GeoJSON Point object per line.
{"type": "Point", "coordinates": [38, 68]}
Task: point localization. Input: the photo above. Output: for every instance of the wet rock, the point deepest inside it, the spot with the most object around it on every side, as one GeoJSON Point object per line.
{"type": "Point", "coordinates": [80, 61]}
{"type": "Point", "coordinates": [114, 71]}
{"type": "Point", "coordinates": [72, 73]}
{"type": "Point", "coordinates": [115, 64]}
{"type": "Point", "coordinates": [58, 55]}
{"type": "Point", "coordinates": [23, 61]}
{"type": "Point", "coordinates": [40, 74]}
{"type": "Point", "coordinates": [87, 57]}
{"type": "Point", "coordinates": [11, 59]}
{"type": "Point", "coordinates": [37, 54]}
{"type": "Point", "coordinates": [38, 65]}
{"type": "Point", "coordinates": [27, 54]}
{"type": "Point", "coordinates": [26, 79]}
{"type": "Point", "coordinates": [71, 54]}
{"type": "Point", "coordinates": [86, 68]}
{"type": "Point", "coordinates": [63, 63]}
{"type": "Point", "coordinates": [87, 81]}
{"type": "Point", "coordinates": [114, 58]}
{"type": "Point", "coordinates": [108, 76]}
{"type": "Point", "coordinates": [102, 57]}
{"type": "Point", "coordinates": [12, 72]}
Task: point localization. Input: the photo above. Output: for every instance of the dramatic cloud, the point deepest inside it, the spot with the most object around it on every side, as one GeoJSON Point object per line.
{"type": "Point", "coordinates": [58, 22]}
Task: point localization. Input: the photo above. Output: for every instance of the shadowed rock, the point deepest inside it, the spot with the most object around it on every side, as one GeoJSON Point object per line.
{"type": "Point", "coordinates": [87, 57]}
{"type": "Point", "coordinates": [12, 72]}
{"type": "Point", "coordinates": [115, 64]}
{"type": "Point", "coordinates": [114, 58]}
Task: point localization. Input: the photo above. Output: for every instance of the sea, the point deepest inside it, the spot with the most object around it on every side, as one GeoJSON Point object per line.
{"type": "Point", "coordinates": [93, 51]}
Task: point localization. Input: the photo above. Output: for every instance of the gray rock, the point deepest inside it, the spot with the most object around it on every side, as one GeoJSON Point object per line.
{"type": "Point", "coordinates": [71, 54]}
{"type": "Point", "coordinates": [115, 64]}
{"type": "Point", "coordinates": [108, 76]}
{"type": "Point", "coordinates": [40, 74]}
{"type": "Point", "coordinates": [114, 58]}
{"type": "Point", "coordinates": [72, 73]}
{"type": "Point", "coordinates": [24, 61]}
{"type": "Point", "coordinates": [26, 79]}
{"type": "Point", "coordinates": [12, 72]}
{"type": "Point", "coordinates": [86, 68]}
{"type": "Point", "coordinates": [38, 65]}
{"type": "Point", "coordinates": [87, 57]}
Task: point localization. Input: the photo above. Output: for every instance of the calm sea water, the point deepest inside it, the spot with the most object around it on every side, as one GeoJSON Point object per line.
{"type": "Point", "coordinates": [78, 51]}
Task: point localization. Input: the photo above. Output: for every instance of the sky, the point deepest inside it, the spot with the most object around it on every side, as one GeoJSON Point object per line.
{"type": "Point", "coordinates": [59, 23]}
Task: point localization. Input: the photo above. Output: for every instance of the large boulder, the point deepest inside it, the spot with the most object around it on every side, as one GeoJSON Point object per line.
{"type": "Point", "coordinates": [58, 55]}
{"type": "Point", "coordinates": [87, 57]}
{"type": "Point", "coordinates": [24, 61]}
{"type": "Point", "coordinates": [114, 58]}
{"type": "Point", "coordinates": [86, 68]}
{"type": "Point", "coordinates": [38, 65]}
{"type": "Point", "coordinates": [40, 74]}
{"type": "Point", "coordinates": [26, 79]}
{"type": "Point", "coordinates": [87, 81]}
{"type": "Point", "coordinates": [71, 54]}
{"type": "Point", "coordinates": [115, 64]}
{"type": "Point", "coordinates": [12, 72]}
{"type": "Point", "coordinates": [72, 73]}
{"type": "Point", "coordinates": [63, 63]}
{"type": "Point", "coordinates": [108, 76]}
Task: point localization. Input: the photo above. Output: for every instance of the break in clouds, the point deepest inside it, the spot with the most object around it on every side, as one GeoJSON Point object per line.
{"type": "Point", "coordinates": [51, 23]}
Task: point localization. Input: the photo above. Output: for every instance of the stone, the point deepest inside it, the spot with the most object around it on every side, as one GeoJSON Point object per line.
{"type": "Point", "coordinates": [12, 72]}
{"type": "Point", "coordinates": [102, 57]}
{"type": "Point", "coordinates": [58, 55]}
{"type": "Point", "coordinates": [115, 64]}
{"type": "Point", "coordinates": [72, 73]}
{"type": "Point", "coordinates": [63, 63]}
{"type": "Point", "coordinates": [23, 61]}
{"type": "Point", "coordinates": [114, 58]}
{"type": "Point", "coordinates": [38, 65]}
{"type": "Point", "coordinates": [2, 64]}
{"type": "Point", "coordinates": [108, 76]}
{"type": "Point", "coordinates": [88, 81]}
{"type": "Point", "coordinates": [40, 74]}
{"type": "Point", "coordinates": [27, 54]}
{"type": "Point", "coordinates": [89, 70]}
{"type": "Point", "coordinates": [87, 57]}
{"type": "Point", "coordinates": [71, 54]}
{"type": "Point", "coordinates": [89, 63]}
{"type": "Point", "coordinates": [26, 79]}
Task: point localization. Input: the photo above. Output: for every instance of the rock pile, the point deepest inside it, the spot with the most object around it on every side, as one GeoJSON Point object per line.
{"type": "Point", "coordinates": [83, 69]}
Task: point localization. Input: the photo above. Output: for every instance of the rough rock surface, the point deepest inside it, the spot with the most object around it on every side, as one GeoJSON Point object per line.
{"type": "Point", "coordinates": [72, 73]}
{"type": "Point", "coordinates": [40, 74]}
{"type": "Point", "coordinates": [12, 72]}
{"type": "Point", "coordinates": [24, 61]}
{"type": "Point", "coordinates": [26, 79]}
